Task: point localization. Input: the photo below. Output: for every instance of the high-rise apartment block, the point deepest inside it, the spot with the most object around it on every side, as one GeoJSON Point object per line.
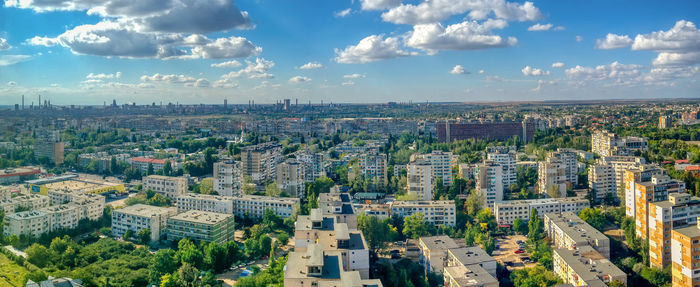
{"type": "Point", "coordinates": [558, 173]}
{"type": "Point", "coordinates": [489, 181]}
{"type": "Point", "coordinates": [260, 161]}
{"type": "Point", "coordinates": [680, 210]}
{"type": "Point", "coordinates": [441, 164]}
{"type": "Point", "coordinates": [606, 143]}
{"type": "Point", "coordinates": [291, 177]}
{"type": "Point", "coordinates": [506, 158]}
{"type": "Point", "coordinates": [685, 262]}
{"type": "Point", "coordinates": [606, 176]}
{"type": "Point", "coordinates": [48, 145]}
{"type": "Point", "coordinates": [227, 178]}
{"type": "Point", "coordinates": [420, 180]}
{"type": "Point", "coordinates": [373, 166]}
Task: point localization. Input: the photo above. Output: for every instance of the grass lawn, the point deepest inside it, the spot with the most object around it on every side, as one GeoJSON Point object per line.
{"type": "Point", "coordinates": [11, 274]}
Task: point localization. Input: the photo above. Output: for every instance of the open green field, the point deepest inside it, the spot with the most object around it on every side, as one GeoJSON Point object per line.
{"type": "Point", "coordinates": [11, 274]}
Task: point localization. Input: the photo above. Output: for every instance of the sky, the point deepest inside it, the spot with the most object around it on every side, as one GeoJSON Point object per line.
{"type": "Point", "coordinates": [364, 51]}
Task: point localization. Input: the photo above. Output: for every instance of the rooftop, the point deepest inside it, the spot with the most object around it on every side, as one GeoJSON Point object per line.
{"type": "Point", "coordinates": [143, 210]}
{"type": "Point", "coordinates": [473, 275]}
{"type": "Point", "coordinates": [441, 242]}
{"type": "Point", "coordinates": [470, 255]}
{"type": "Point", "coordinates": [573, 226]}
{"type": "Point", "coordinates": [297, 263]}
{"type": "Point", "coordinates": [202, 217]}
{"type": "Point", "coordinates": [590, 265]}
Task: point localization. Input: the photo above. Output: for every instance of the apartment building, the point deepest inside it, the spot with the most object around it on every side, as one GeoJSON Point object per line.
{"type": "Point", "coordinates": [507, 211]}
{"type": "Point", "coordinates": [472, 256]}
{"type": "Point", "coordinates": [227, 179]}
{"type": "Point", "coordinates": [338, 205]}
{"type": "Point", "coordinates": [437, 212]}
{"type": "Point", "coordinates": [567, 230]}
{"type": "Point", "coordinates": [374, 165]}
{"type": "Point", "coordinates": [205, 202]}
{"type": "Point", "coordinates": [24, 202]}
{"type": "Point", "coordinates": [606, 143]}
{"type": "Point", "coordinates": [64, 216]}
{"type": "Point", "coordinates": [558, 172]}
{"type": "Point", "coordinates": [680, 210]}
{"type": "Point", "coordinates": [142, 163]}
{"type": "Point", "coordinates": [489, 181]}
{"type": "Point", "coordinates": [606, 176]}
{"type": "Point", "coordinates": [433, 252]}
{"type": "Point", "coordinates": [169, 186]}
{"type": "Point", "coordinates": [201, 226]}
{"type": "Point", "coordinates": [313, 163]}
{"type": "Point", "coordinates": [48, 144]}
{"type": "Point", "coordinates": [291, 178]}
{"type": "Point", "coordinates": [255, 205]}
{"type": "Point", "coordinates": [685, 263]}
{"type": "Point", "coordinates": [506, 158]}
{"type": "Point", "coordinates": [33, 222]}
{"type": "Point", "coordinates": [584, 266]}
{"type": "Point", "coordinates": [642, 173]}
{"type": "Point", "coordinates": [315, 266]}
{"type": "Point", "coordinates": [260, 161]}
{"type": "Point", "coordinates": [441, 164]}
{"type": "Point", "coordinates": [472, 276]}
{"type": "Point", "coordinates": [141, 216]}
{"type": "Point", "coordinates": [327, 232]}
{"type": "Point", "coordinates": [656, 189]}
{"type": "Point", "coordinates": [91, 206]}
{"type": "Point", "coordinates": [420, 180]}
{"type": "Point", "coordinates": [381, 211]}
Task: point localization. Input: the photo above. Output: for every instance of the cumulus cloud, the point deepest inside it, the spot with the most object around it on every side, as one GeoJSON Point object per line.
{"type": "Point", "coordinates": [299, 79]}
{"type": "Point", "coordinates": [481, 72]}
{"type": "Point", "coordinates": [438, 10]}
{"type": "Point", "coordinates": [347, 83]}
{"type": "Point", "coordinates": [559, 28]}
{"type": "Point", "coordinates": [311, 66]}
{"type": "Point", "coordinates": [540, 27]}
{"type": "Point", "coordinates": [530, 71]}
{"type": "Point", "coordinates": [6, 60]}
{"type": "Point", "coordinates": [679, 46]}
{"type": "Point", "coordinates": [458, 70]}
{"type": "Point", "coordinates": [342, 13]}
{"type": "Point", "coordinates": [3, 44]}
{"type": "Point", "coordinates": [102, 76]}
{"type": "Point", "coordinates": [614, 70]}
{"type": "Point", "coordinates": [353, 76]}
{"type": "Point", "coordinates": [164, 29]}
{"type": "Point", "coordinates": [187, 81]}
{"type": "Point", "coordinates": [468, 35]}
{"type": "Point", "coordinates": [379, 4]}
{"type": "Point", "coordinates": [11, 83]}
{"type": "Point", "coordinates": [613, 41]}
{"type": "Point", "coordinates": [371, 49]}
{"type": "Point", "coordinates": [558, 65]}
{"type": "Point", "coordinates": [227, 64]}
{"type": "Point", "coordinates": [253, 70]}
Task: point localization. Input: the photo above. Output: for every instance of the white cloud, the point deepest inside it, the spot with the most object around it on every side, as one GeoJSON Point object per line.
{"type": "Point", "coordinates": [558, 65]}
{"type": "Point", "coordinates": [371, 49]}
{"type": "Point", "coordinates": [311, 66]}
{"type": "Point", "coordinates": [342, 13]}
{"type": "Point", "coordinates": [615, 70]}
{"type": "Point", "coordinates": [227, 64]}
{"type": "Point", "coordinates": [4, 45]}
{"type": "Point", "coordinates": [103, 76]}
{"type": "Point", "coordinates": [347, 83]}
{"type": "Point", "coordinates": [530, 71]}
{"type": "Point", "coordinates": [679, 46]}
{"type": "Point", "coordinates": [299, 79]}
{"type": "Point", "coordinates": [6, 60]}
{"type": "Point", "coordinates": [169, 78]}
{"type": "Point", "coordinates": [379, 4]}
{"type": "Point", "coordinates": [199, 83]}
{"type": "Point", "coordinates": [261, 76]}
{"type": "Point", "coordinates": [225, 83]}
{"type": "Point", "coordinates": [232, 47]}
{"type": "Point", "coordinates": [458, 70]}
{"type": "Point", "coordinates": [438, 10]}
{"type": "Point", "coordinates": [540, 27]}
{"type": "Point", "coordinates": [579, 38]}
{"type": "Point", "coordinates": [481, 72]}
{"type": "Point", "coordinates": [353, 76]}
{"type": "Point", "coordinates": [559, 28]}
{"type": "Point", "coordinates": [11, 83]}
{"type": "Point", "coordinates": [613, 41]}
{"type": "Point", "coordinates": [468, 35]}
{"type": "Point", "coordinates": [257, 69]}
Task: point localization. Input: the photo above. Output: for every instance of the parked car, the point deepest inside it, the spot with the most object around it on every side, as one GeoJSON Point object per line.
{"type": "Point", "coordinates": [519, 251]}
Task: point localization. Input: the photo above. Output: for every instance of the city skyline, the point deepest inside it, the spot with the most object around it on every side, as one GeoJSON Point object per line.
{"type": "Point", "coordinates": [367, 51]}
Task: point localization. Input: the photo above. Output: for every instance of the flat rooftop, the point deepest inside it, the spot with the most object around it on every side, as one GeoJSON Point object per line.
{"type": "Point", "coordinates": [690, 231]}
{"type": "Point", "coordinates": [590, 265]}
{"type": "Point", "coordinates": [143, 210]}
{"type": "Point", "coordinates": [574, 227]}
{"type": "Point", "coordinates": [442, 242]}
{"type": "Point", "coordinates": [423, 203]}
{"type": "Point", "coordinates": [471, 255]}
{"type": "Point", "coordinates": [202, 217]}
{"type": "Point", "coordinates": [297, 263]}
{"type": "Point", "coordinates": [473, 275]}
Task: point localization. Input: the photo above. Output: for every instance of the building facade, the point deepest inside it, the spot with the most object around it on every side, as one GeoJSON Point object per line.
{"type": "Point", "coordinates": [141, 216]}
{"type": "Point", "coordinates": [169, 186]}
{"type": "Point", "coordinates": [201, 226]}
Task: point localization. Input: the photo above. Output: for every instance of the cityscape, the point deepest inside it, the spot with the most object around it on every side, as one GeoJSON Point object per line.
{"type": "Point", "coordinates": [369, 143]}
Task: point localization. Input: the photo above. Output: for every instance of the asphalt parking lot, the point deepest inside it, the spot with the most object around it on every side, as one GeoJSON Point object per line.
{"type": "Point", "coordinates": [506, 252]}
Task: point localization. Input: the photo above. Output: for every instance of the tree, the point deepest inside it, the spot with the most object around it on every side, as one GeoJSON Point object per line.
{"type": "Point", "coordinates": [535, 226]}
{"type": "Point", "coordinates": [150, 169]}
{"type": "Point", "coordinates": [206, 186]}
{"type": "Point", "coordinates": [273, 190]}
{"type": "Point", "coordinates": [164, 261]}
{"type": "Point", "coordinates": [188, 253]}
{"type": "Point", "coordinates": [537, 276]}
{"type": "Point", "coordinates": [144, 236]}
{"type": "Point", "coordinates": [252, 248]}
{"type": "Point", "coordinates": [38, 255]}
{"type": "Point", "coordinates": [283, 238]}
{"type": "Point", "coordinates": [169, 280]}
{"type": "Point", "coordinates": [167, 168]}
{"type": "Point", "coordinates": [616, 283]}
{"type": "Point", "coordinates": [215, 257]}
{"type": "Point", "coordinates": [377, 232]}
{"type": "Point", "coordinates": [128, 235]}
{"type": "Point", "coordinates": [188, 275]}
{"type": "Point", "coordinates": [594, 217]}
{"type": "Point", "coordinates": [520, 226]}
{"type": "Point", "coordinates": [414, 226]}
{"type": "Point", "coordinates": [265, 244]}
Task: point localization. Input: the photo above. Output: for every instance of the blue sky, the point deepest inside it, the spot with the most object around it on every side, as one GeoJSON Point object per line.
{"type": "Point", "coordinates": [205, 51]}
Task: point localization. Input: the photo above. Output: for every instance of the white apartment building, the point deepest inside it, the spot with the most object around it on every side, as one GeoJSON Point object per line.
{"type": "Point", "coordinates": [205, 202]}
{"type": "Point", "coordinates": [606, 176]}
{"type": "Point", "coordinates": [507, 211]}
{"type": "Point", "coordinates": [64, 216]}
{"type": "Point", "coordinates": [567, 230]}
{"type": "Point", "coordinates": [506, 158]}
{"type": "Point", "coordinates": [313, 162]}
{"type": "Point", "coordinates": [291, 178]}
{"type": "Point", "coordinates": [558, 173]}
{"type": "Point", "coordinates": [420, 179]}
{"type": "Point", "coordinates": [227, 179]}
{"type": "Point", "coordinates": [33, 222]}
{"type": "Point", "coordinates": [28, 202]}
{"type": "Point", "coordinates": [255, 205]}
{"type": "Point", "coordinates": [585, 267]}
{"type": "Point", "coordinates": [606, 143]}
{"type": "Point", "coordinates": [169, 186]}
{"type": "Point", "coordinates": [441, 163]}
{"type": "Point", "coordinates": [438, 212]}
{"type": "Point", "coordinates": [373, 165]}
{"type": "Point", "coordinates": [141, 216]}
{"type": "Point", "coordinates": [489, 181]}
{"type": "Point", "coordinates": [91, 205]}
